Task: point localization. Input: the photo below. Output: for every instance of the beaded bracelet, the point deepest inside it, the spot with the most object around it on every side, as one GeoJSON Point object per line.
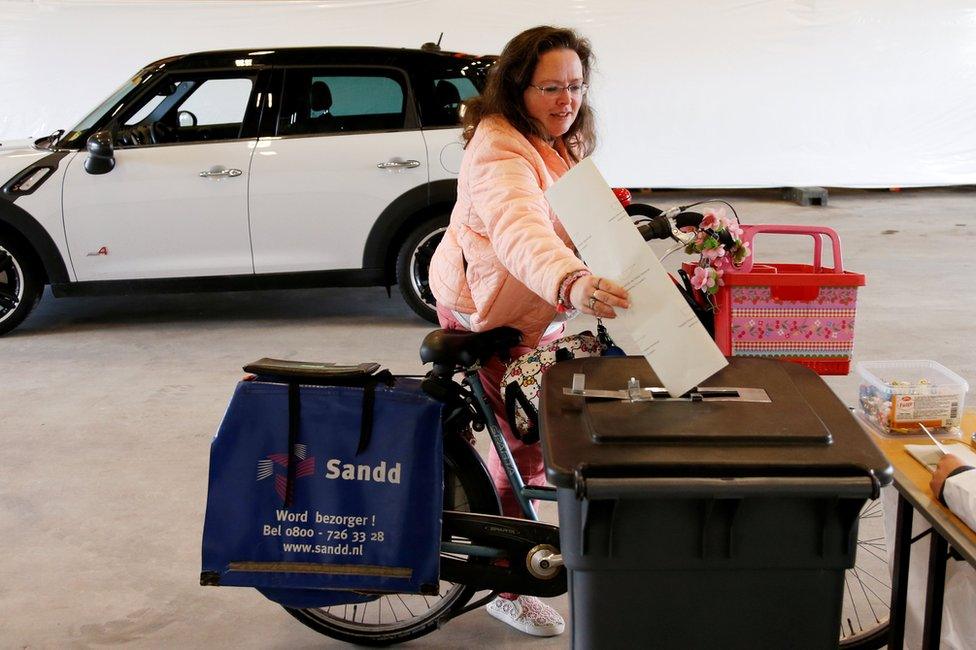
{"type": "Point", "coordinates": [562, 300]}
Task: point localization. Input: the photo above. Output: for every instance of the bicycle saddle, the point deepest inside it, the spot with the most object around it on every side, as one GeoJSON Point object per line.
{"type": "Point", "coordinates": [456, 348]}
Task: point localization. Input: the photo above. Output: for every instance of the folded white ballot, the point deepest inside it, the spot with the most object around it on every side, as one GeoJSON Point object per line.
{"type": "Point", "coordinates": [659, 321]}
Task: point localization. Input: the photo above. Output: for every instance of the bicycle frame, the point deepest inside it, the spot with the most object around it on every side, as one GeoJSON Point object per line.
{"type": "Point", "coordinates": [523, 493]}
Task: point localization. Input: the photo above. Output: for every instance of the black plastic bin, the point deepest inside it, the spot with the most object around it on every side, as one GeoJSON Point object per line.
{"type": "Point", "coordinates": [706, 524]}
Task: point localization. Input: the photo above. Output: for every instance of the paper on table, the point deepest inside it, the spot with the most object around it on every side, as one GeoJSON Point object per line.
{"type": "Point", "coordinates": [929, 455]}
{"type": "Point", "coordinates": [661, 323]}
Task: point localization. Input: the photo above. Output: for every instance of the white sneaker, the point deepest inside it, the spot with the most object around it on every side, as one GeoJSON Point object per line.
{"type": "Point", "coordinates": [527, 614]}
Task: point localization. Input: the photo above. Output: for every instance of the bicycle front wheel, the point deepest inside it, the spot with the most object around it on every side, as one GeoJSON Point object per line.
{"type": "Point", "coordinates": [395, 618]}
{"type": "Point", "coordinates": [867, 586]}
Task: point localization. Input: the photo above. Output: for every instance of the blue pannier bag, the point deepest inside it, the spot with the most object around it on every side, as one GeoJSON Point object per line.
{"type": "Point", "coordinates": [326, 486]}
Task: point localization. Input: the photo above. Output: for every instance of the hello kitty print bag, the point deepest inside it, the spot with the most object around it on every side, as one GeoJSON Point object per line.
{"type": "Point", "coordinates": [523, 379]}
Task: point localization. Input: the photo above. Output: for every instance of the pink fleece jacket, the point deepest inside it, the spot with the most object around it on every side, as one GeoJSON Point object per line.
{"type": "Point", "coordinates": [516, 250]}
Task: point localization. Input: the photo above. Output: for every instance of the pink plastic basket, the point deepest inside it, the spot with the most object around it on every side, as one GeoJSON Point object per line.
{"type": "Point", "coordinates": [794, 312]}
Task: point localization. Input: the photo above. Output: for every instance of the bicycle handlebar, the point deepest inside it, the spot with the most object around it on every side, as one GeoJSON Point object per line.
{"type": "Point", "coordinates": [660, 224]}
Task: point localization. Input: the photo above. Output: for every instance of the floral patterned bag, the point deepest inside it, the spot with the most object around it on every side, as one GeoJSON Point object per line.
{"type": "Point", "coordinates": [523, 379]}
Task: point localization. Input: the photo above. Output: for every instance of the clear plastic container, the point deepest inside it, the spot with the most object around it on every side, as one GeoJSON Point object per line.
{"type": "Point", "coordinates": [896, 396]}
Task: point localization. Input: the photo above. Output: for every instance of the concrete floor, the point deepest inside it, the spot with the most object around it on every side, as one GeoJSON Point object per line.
{"type": "Point", "coordinates": [109, 404]}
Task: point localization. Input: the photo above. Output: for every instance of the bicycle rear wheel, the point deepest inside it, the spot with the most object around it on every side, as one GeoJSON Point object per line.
{"type": "Point", "coordinates": [395, 618]}
{"type": "Point", "coordinates": [867, 586]}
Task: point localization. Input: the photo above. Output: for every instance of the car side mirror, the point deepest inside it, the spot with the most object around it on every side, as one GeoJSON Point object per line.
{"type": "Point", "coordinates": [101, 156]}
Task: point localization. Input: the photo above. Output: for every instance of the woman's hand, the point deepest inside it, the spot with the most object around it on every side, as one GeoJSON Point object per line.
{"type": "Point", "coordinates": [948, 463]}
{"type": "Point", "coordinates": [592, 294]}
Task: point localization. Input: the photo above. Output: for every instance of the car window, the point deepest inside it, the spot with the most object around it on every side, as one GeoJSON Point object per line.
{"type": "Point", "coordinates": [187, 109]}
{"type": "Point", "coordinates": [341, 101]}
{"type": "Point", "coordinates": [144, 112]}
{"type": "Point", "coordinates": [443, 101]}
{"type": "Point", "coordinates": [465, 87]}
{"type": "Point", "coordinates": [219, 101]}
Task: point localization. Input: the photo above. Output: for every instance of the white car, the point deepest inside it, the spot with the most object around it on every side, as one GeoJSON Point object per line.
{"type": "Point", "coordinates": [244, 169]}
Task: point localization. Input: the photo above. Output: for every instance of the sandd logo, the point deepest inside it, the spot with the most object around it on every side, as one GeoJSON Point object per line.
{"type": "Point", "coordinates": [276, 465]}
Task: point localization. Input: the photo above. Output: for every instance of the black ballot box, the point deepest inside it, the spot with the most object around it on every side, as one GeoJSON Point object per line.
{"type": "Point", "coordinates": [695, 523]}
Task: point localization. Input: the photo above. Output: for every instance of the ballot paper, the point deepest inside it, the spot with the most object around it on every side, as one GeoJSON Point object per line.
{"type": "Point", "coordinates": [659, 321]}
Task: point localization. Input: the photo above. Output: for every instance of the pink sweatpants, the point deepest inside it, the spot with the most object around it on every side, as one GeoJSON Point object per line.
{"type": "Point", "coordinates": [528, 458]}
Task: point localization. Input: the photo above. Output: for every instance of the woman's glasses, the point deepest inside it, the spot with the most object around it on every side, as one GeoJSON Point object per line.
{"type": "Point", "coordinates": [552, 90]}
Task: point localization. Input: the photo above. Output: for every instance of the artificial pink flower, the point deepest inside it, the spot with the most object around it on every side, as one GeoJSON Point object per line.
{"type": "Point", "coordinates": [722, 216]}
{"type": "Point", "coordinates": [702, 279]}
{"type": "Point", "coordinates": [712, 254]}
{"type": "Point", "coordinates": [710, 222]}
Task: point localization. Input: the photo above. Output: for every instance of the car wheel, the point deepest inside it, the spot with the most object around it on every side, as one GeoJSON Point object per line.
{"type": "Point", "coordinates": [20, 284]}
{"type": "Point", "coordinates": [413, 263]}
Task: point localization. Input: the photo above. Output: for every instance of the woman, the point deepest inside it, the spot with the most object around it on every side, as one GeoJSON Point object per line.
{"type": "Point", "coordinates": [505, 258]}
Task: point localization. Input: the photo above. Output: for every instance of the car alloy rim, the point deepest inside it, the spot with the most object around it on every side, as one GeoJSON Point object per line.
{"type": "Point", "coordinates": [420, 265]}
{"type": "Point", "coordinates": [11, 284]}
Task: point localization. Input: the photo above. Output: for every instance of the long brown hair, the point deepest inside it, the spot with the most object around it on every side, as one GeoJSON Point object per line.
{"type": "Point", "coordinates": [511, 75]}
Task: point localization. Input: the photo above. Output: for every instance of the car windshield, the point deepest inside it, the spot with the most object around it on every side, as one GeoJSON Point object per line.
{"type": "Point", "coordinates": [92, 118]}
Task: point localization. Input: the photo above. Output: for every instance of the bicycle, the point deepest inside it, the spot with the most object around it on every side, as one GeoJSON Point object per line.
{"type": "Point", "coordinates": [481, 550]}
{"type": "Point", "coordinates": [474, 536]}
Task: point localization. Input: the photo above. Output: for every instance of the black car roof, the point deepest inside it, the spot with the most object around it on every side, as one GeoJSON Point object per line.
{"type": "Point", "coordinates": [304, 56]}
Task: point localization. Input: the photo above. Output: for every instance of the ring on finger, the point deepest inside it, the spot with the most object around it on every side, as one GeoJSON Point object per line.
{"type": "Point", "coordinates": [592, 303]}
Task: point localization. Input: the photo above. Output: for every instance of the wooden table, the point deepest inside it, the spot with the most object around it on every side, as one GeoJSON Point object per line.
{"type": "Point", "coordinates": [912, 482]}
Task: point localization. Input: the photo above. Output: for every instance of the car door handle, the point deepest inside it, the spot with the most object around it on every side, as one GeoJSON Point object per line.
{"type": "Point", "coordinates": [216, 173]}
{"type": "Point", "coordinates": [399, 164]}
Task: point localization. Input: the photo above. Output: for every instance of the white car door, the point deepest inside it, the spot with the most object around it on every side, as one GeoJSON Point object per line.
{"type": "Point", "coordinates": [344, 151]}
{"type": "Point", "coordinates": [175, 204]}
{"type": "Point", "coordinates": [441, 112]}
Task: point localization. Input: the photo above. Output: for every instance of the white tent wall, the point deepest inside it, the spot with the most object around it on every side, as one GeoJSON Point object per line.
{"type": "Point", "coordinates": [704, 93]}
